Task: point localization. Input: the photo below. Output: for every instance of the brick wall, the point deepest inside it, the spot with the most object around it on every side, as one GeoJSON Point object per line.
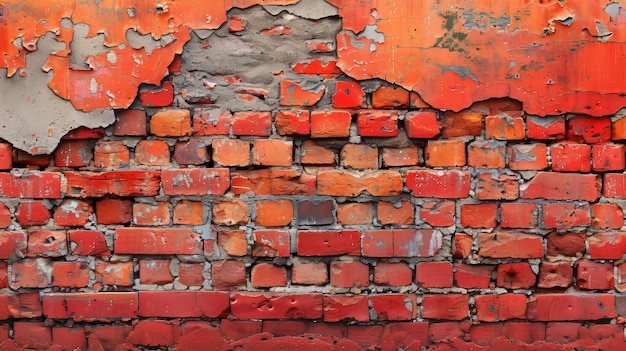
{"type": "Point", "coordinates": [341, 215]}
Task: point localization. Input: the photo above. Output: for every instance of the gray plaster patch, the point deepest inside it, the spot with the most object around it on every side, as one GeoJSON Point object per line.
{"type": "Point", "coordinates": [311, 9]}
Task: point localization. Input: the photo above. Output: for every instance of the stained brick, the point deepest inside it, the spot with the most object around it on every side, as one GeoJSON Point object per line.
{"type": "Point", "coordinates": [504, 127]}
{"type": "Point", "coordinates": [157, 241]}
{"type": "Point", "coordinates": [528, 157]}
{"type": "Point", "coordinates": [342, 307]}
{"type": "Point", "coordinates": [120, 183]}
{"type": "Point", "coordinates": [587, 129]}
{"type": "Point", "coordinates": [377, 123]}
{"type": "Point", "coordinates": [449, 184]}
{"type": "Point", "coordinates": [566, 215]}
{"type": "Point", "coordinates": [289, 122]}
{"type": "Point", "coordinates": [297, 93]}
{"type": "Point", "coordinates": [72, 213]}
{"type": "Point", "coordinates": [394, 307]}
{"type": "Point", "coordinates": [195, 181]}
{"type": "Point", "coordinates": [271, 243]}
{"type": "Point", "coordinates": [152, 153]}
{"type": "Point", "coordinates": [570, 157]}
{"type": "Point", "coordinates": [171, 123]}
{"type": "Point", "coordinates": [510, 245]}
{"type": "Point", "coordinates": [486, 154]}
{"type": "Point", "coordinates": [445, 153]}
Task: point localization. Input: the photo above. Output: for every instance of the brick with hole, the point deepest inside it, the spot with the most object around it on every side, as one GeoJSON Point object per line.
{"type": "Point", "coordinates": [267, 275]}
{"type": "Point", "coordinates": [393, 274]}
{"type": "Point", "coordinates": [481, 215]}
{"type": "Point", "coordinates": [272, 152]}
{"type": "Point", "coordinates": [495, 308]}
{"type": "Point", "coordinates": [191, 152]}
{"type": "Point", "coordinates": [189, 212]}
{"type": "Point", "coordinates": [528, 157]}
{"type": "Point", "coordinates": [587, 129]}
{"type": "Point", "coordinates": [346, 307]}
{"type": "Point", "coordinates": [155, 271]}
{"type": "Point", "coordinates": [231, 152]}
{"type": "Point", "coordinates": [354, 213]}
{"type": "Point", "coordinates": [434, 274]}
{"type": "Point", "coordinates": [571, 307]}
{"type": "Point", "coordinates": [500, 187]}
{"type": "Point", "coordinates": [445, 153]}
{"type": "Point", "coordinates": [171, 123]}
{"type": "Point", "coordinates": [152, 153]}
{"type": "Point", "coordinates": [359, 156]}
{"type": "Point", "coordinates": [311, 153]}
{"type": "Point", "coordinates": [271, 243]}
{"type": "Point", "coordinates": [233, 242]}
{"type": "Point", "coordinates": [290, 122]}
{"type": "Point", "coordinates": [555, 275]}
{"type": "Point", "coordinates": [515, 276]}
{"type": "Point", "coordinates": [47, 243]}
{"type": "Point", "coordinates": [348, 95]}
{"type": "Point", "coordinates": [394, 307]}
{"type": "Point", "coordinates": [151, 215]}
{"type": "Point", "coordinates": [386, 97]}
{"type": "Point", "coordinates": [29, 212]}
{"type": "Point", "coordinates": [472, 276]}
{"type": "Point", "coordinates": [114, 211]}
{"type": "Point", "coordinates": [399, 213]}
{"type": "Point", "coordinates": [486, 154]}
{"type": "Point", "coordinates": [349, 274]}
{"type": "Point", "coordinates": [70, 274]}
{"type": "Point", "coordinates": [594, 275]}
{"type": "Point", "coordinates": [309, 273]}
{"type": "Point", "coordinates": [330, 124]}
{"type": "Point", "coordinates": [111, 154]}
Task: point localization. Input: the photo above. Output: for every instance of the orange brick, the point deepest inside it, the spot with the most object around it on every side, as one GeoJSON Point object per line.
{"type": "Point", "coordinates": [390, 97]}
{"type": "Point", "coordinates": [528, 157]}
{"type": "Point", "coordinates": [147, 214]}
{"type": "Point", "coordinates": [234, 242]}
{"type": "Point", "coordinates": [359, 156]}
{"type": "Point", "coordinates": [267, 275]}
{"type": "Point", "coordinates": [271, 152]}
{"type": "Point", "coordinates": [398, 157]}
{"type": "Point", "coordinates": [309, 273]}
{"type": "Point", "coordinates": [330, 124]}
{"type": "Point", "coordinates": [111, 154]}
{"type": "Point", "coordinates": [463, 123]}
{"type": "Point", "coordinates": [188, 212]}
{"type": "Point", "coordinates": [486, 154]}
{"type": "Point", "coordinates": [618, 129]}
{"type": "Point", "coordinates": [445, 153]}
{"type": "Point", "coordinates": [152, 153]}
{"type": "Point", "coordinates": [230, 212]}
{"type": "Point", "coordinates": [231, 152]}
{"type": "Point", "coordinates": [502, 187]}
{"type": "Point", "coordinates": [171, 123]}
{"type": "Point", "coordinates": [395, 213]}
{"type": "Point", "coordinates": [354, 213]}
{"type": "Point", "coordinates": [273, 213]}
{"type": "Point", "coordinates": [295, 93]}
{"type": "Point", "coordinates": [504, 127]}
{"type": "Point", "coordinates": [462, 245]}
{"type": "Point", "coordinates": [313, 154]}
{"type": "Point", "coordinates": [289, 122]}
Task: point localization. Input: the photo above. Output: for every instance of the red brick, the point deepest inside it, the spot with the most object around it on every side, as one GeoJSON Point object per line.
{"type": "Point", "coordinates": [90, 306]}
{"type": "Point", "coordinates": [231, 152]}
{"type": "Point", "coordinates": [395, 213]}
{"type": "Point", "coordinates": [469, 276]}
{"type": "Point", "coordinates": [486, 154]}
{"type": "Point", "coordinates": [359, 156]}
{"type": "Point", "coordinates": [70, 338]}
{"type": "Point", "coordinates": [107, 337]}
{"type": "Point", "coordinates": [156, 241]}
{"type": "Point", "coordinates": [73, 153]}
{"type": "Point", "coordinates": [130, 122]}
{"type": "Point", "coordinates": [190, 274]}
{"type": "Point", "coordinates": [462, 245]}
{"type": "Point", "coordinates": [525, 332]}
{"type": "Point", "coordinates": [546, 128]}
{"type": "Point", "coordinates": [330, 124]}
{"type": "Point", "coordinates": [518, 215]}
{"type": "Point", "coordinates": [211, 122]}
{"type": "Point", "coordinates": [30, 273]}
{"type": "Point", "coordinates": [620, 284]}
{"type": "Point", "coordinates": [349, 274]}
{"type": "Point", "coordinates": [502, 187]}
{"type": "Point", "coordinates": [562, 333]}
{"type": "Point", "coordinates": [88, 243]}
{"type": "Point", "coordinates": [401, 243]}
{"type": "Point", "coordinates": [608, 157]}
{"type": "Point", "coordinates": [557, 186]}
{"type": "Point", "coordinates": [252, 123]}
{"type": "Point", "coordinates": [447, 331]}
{"type": "Point", "coordinates": [373, 123]}
{"type": "Point", "coordinates": [515, 276]}
{"type": "Point", "coordinates": [188, 212]}
{"type": "Point", "coordinates": [368, 337]}
{"type": "Point", "coordinates": [568, 156]}
{"type": "Point", "coordinates": [228, 274]}
{"type": "Point", "coordinates": [309, 273]}
{"type": "Point", "coordinates": [398, 157]}
{"type": "Point", "coordinates": [153, 333]}
{"type": "Point", "coordinates": [510, 245]}
{"type": "Point", "coordinates": [607, 216]}
{"type": "Point", "coordinates": [72, 213]}
{"type": "Point", "coordinates": [479, 215]}
{"type": "Point", "coordinates": [341, 307]}
{"type": "Point", "coordinates": [120, 183]}
{"type": "Point", "coordinates": [394, 307]}
{"type": "Point", "coordinates": [70, 274]}
{"type": "Point", "coordinates": [111, 154]}
{"type": "Point", "coordinates": [12, 242]}
{"type": "Point", "coordinates": [348, 95]}
{"type": "Point", "coordinates": [284, 328]}
{"type": "Point", "coordinates": [495, 308]}
{"type": "Point", "coordinates": [233, 330]}
{"type": "Point", "coordinates": [114, 273]}
{"type": "Point", "coordinates": [594, 276]}
{"type": "Point", "coordinates": [438, 214]}
{"type": "Point", "coordinates": [555, 274]}
{"type": "Point", "coordinates": [230, 212]}
{"type": "Point", "coordinates": [195, 181]}
{"type": "Point", "coordinates": [290, 182]}
{"type": "Point", "coordinates": [6, 156]}
{"type": "Point", "coordinates": [378, 243]}
{"type": "Point", "coordinates": [463, 123]}
{"type": "Point", "coordinates": [504, 127]}
{"type": "Point", "coordinates": [528, 157]}
{"type": "Point", "coordinates": [267, 275]}
{"type": "Point", "coordinates": [30, 212]}
{"type": "Point", "coordinates": [352, 213]}
{"type": "Point", "coordinates": [47, 243]}
{"type": "Point", "coordinates": [571, 307]}
{"type": "Point", "coordinates": [445, 153]}
{"type": "Point", "coordinates": [233, 242]}
{"type": "Point", "coordinates": [434, 274]}
{"type": "Point", "coordinates": [447, 184]}
{"type": "Point", "coordinates": [345, 183]}
{"type": "Point", "coordinates": [157, 96]}
{"type": "Point", "coordinates": [151, 215]}
{"type": "Point", "coordinates": [253, 305]}
{"type": "Point", "coordinates": [271, 243]}
{"type": "Point", "coordinates": [24, 159]}
{"type": "Point", "coordinates": [313, 154]}
{"type": "Point", "coordinates": [5, 214]}
{"type": "Point", "coordinates": [325, 69]}
{"type": "Point", "coordinates": [390, 97]}
{"type": "Point", "coordinates": [114, 211]}
{"type": "Point", "coordinates": [30, 184]}
{"type": "Point", "coordinates": [84, 133]}
{"type": "Point", "coordinates": [328, 242]}
{"type": "Point", "coordinates": [449, 307]}
{"type": "Point", "coordinates": [155, 271]}
{"type": "Point", "coordinates": [296, 93]}
{"type": "Point", "coordinates": [152, 153]}
{"type": "Point", "coordinates": [32, 335]}
{"type": "Point", "coordinates": [566, 215]}
{"type": "Point", "coordinates": [272, 152]}
{"type": "Point", "coordinates": [179, 304]}
{"type": "Point", "coordinates": [191, 152]}
{"type": "Point", "coordinates": [587, 129]}
{"type": "Point", "coordinates": [393, 274]}
{"type": "Point", "coordinates": [4, 275]}
{"type": "Point", "coordinates": [406, 335]}
{"type": "Point", "coordinates": [422, 124]}
{"type": "Point", "coordinates": [568, 244]}
{"type": "Point", "coordinates": [289, 122]}
{"type": "Point", "coordinates": [171, 123]}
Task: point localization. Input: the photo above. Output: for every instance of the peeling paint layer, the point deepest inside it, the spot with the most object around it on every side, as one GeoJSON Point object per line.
{"type": "Point", "coordinates": [554, 56]}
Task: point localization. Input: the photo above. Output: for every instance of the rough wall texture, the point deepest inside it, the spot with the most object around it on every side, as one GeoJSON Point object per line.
{"type": "Point", "coordinates": [254, 196]}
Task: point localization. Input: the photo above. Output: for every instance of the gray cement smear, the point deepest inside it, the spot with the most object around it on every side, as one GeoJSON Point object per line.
{"type": "Point", "coordinates": [32, 117]}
